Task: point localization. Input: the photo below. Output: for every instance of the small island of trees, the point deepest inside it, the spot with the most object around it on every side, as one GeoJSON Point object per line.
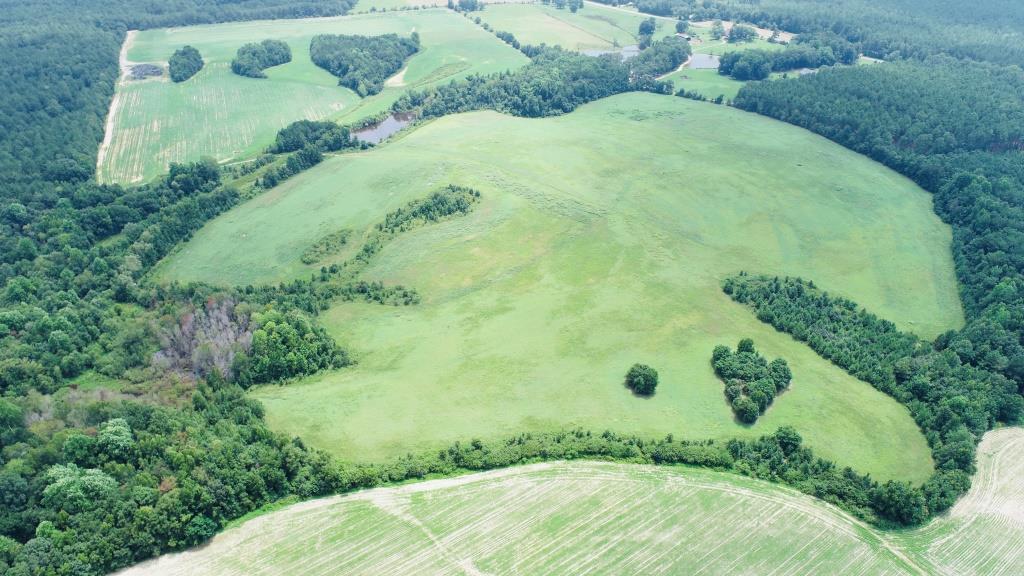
{"type": "Point", "coordinates": [185, 63]}
{"type": "Point", "coordinates": [751, 382]}
{"type": "Point", "coordinates": [362, 63]}
{"type": "Point", "coordinates": [253, 58]}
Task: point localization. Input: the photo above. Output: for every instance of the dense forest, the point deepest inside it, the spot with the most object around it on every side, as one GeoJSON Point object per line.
{"type": "Point", "coordinates": [362, 63]}
{"type": "Point", "coordinates": [185, 63]}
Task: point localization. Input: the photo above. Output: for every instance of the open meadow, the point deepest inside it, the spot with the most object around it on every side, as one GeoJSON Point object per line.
{"type": "Point", "coordinates": [599, 243]}
{"type": "Point", "coordinates": [600, 518]}
{"type": "Point", "coordinates": [226, 116]}
{"type": "Point", "coordinates": [593, 27]}
{"type": "Point", "coordinates": [706, 82]}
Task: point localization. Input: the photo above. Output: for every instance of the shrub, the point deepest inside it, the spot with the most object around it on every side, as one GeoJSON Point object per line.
{"type": "Point", "coordinates": [642, 379]}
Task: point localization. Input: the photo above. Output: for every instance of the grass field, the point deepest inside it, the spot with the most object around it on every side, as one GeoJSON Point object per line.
{"type": "Point", "coordinates": [600, 242]}
{"type": "Point", "coordinates": [708, 83]}
{"type": "Point", "coordinates": [592, 27]}
{"type": "Point", "coordinates": [226, 116]}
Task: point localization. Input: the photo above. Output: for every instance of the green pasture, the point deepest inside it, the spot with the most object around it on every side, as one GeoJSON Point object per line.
{"type": "Point", "coordinates": [600, 241]}
{"type": "Point", "coordinates": [708, 83]}
{"type": "Point", "coordinates": [593, 27]}
{"type": "Point", "coordinates": [219, 114]}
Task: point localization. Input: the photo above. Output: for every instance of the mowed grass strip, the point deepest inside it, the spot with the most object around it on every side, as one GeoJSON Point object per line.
{"type": "Point", "coordinates": [600, 241]}
{"type": "Point", "coordinates": [226, 116]}
{"type": "Point", "coordinates": [561, 518]}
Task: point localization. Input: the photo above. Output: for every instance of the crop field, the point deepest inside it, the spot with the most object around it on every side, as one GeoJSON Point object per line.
{"type": "Point", "coordinates": [984, 532]}
{"type": "Point", "coordinates": [599, 243]}
{"type": "Point", "coordinates": [592, 27]}
{"type": "Point", "coordinates": [562, 518]}
{"type": "Point", "coordinates": [226, 116]}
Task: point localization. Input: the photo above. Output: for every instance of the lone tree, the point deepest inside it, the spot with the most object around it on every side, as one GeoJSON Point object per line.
{"type": "Point", "coordinates": [642, 379]}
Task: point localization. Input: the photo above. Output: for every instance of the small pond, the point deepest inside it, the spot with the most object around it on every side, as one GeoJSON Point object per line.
{"type": "Point", "coordinates": [377, 133]}
{"type": "Point", "coordinates": [625, 52]}
{"type": "Point", "coordinates": [703, 62]}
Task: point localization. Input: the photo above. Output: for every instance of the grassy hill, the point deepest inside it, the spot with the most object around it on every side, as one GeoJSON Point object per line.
{"type": "Point", "coordinates": [226, 116]}
{"type": "Point", "coordinates": [599, 242]}
{"type": "Point", "coordinates": [568, 518]}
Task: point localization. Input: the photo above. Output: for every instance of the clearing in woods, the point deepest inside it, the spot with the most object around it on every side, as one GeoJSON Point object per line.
{"type": "Point", "coordinates": [602, 518]}
{"type": "Point", "coordinates": [226, 116]}
{"type": "Point", "coordinates": [600, 242]}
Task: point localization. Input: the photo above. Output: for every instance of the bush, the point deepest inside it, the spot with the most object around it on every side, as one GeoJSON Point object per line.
{"type": "Point", "coordinates": [642, 379]}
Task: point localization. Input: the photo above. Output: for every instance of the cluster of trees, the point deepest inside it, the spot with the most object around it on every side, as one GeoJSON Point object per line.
{"type": "Point", "coordinates": [329, 244]}
{"type": "Point", "coordinates": [573, 5]}
{"type": "Point", "coordinates": [253, 58]}
{"type": "Point", "coordinates": [645, 32]}
{"type": "Point", "coordinates": [555, 82]}
{"type": "Point", "coordinates": [741, 33]}
{"type": "Point", "coordinates": [952, 397]}
{"type": "Point", "coordinates": [323, 135]}
{"type": "Point", "coordinates": [185, 63]}
{"type": "Point", "coordinates": [806, 51]}
{"type": "Point", "coordinates": [465, 5]}
{"type": "Point", "coordinates": [285, 345]}
{"type": "Point", "coordinates": [661, 57]}
{"type": "Point", "coordinates": [751, 382]}
{"type": "Point", "coordinates": [452, 200]}
{"type": "Point", "coordinates": [362, 63]}
{"type": "Point", "coordinates": [642, 379]}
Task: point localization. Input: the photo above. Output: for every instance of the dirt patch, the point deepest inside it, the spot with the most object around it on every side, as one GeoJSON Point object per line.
{"type": "Point", "coordinates": [398, 80]}
{"type": "Point", "coordinates": [115, 104]}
